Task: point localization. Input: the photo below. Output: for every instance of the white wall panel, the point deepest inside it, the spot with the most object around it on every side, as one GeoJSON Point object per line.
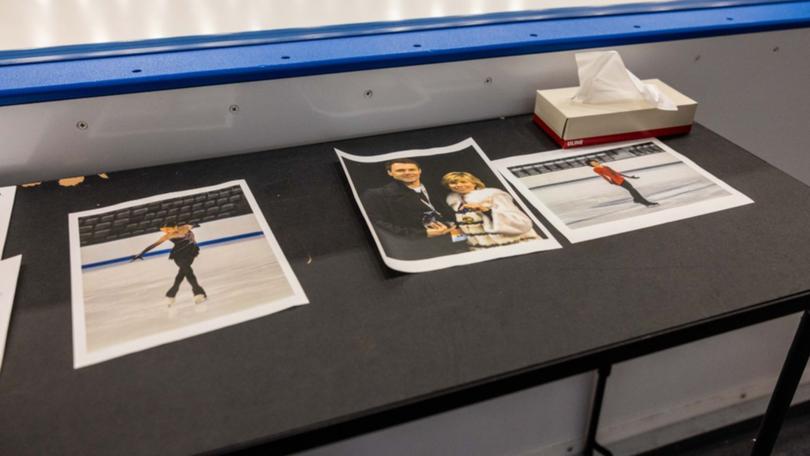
{"type": "Point", "coordinates": [549, 416]}
{"type": "Point", "coordinates": [34, 24]}
{"type": "Point", "coordinates": [747, 91]}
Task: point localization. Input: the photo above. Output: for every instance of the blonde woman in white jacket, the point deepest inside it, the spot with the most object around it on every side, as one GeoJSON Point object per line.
{"type": "Point", "coordinates": [487, 216]}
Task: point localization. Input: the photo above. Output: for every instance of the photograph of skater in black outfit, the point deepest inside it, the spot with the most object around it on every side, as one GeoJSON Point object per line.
{"type": "Point", "coordinates": [183, 253]}
{"type": "Point", "coordinates": [213, 236]}
{"type": "Point", "coordinates": [413, 222]}
{"type": "Point", "coordinates": [614, 177]}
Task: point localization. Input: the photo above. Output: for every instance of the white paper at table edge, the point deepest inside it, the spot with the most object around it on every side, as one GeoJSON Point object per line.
{"type": "Point", "coordinates": [612, 228]}
{"type": "Point", "coordinates": [81, 358]}
{"type": "Point", "coordinates": [9, 272]}
{"type": "Point", "coordinates": [458, 259]}
{"type": "Point", "coordinates": [6, 205]}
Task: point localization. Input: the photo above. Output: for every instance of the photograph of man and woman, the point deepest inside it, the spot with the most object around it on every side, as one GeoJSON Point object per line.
{"type": "Point", "coordinates": [599, 191]}
{"type": "Point", "coordinates": [160, 269]}
{"type": "Point", "coordinates": [435, 208]}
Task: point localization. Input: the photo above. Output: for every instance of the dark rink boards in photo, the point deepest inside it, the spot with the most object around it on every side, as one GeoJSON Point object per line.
{"type": "Point", "coordinates": [376, 347]}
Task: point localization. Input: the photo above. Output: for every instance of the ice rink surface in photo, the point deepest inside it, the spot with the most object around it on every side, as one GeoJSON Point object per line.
{"type": "Point", "coordinates": [671, 185]}
{"type": "Point", "coordinates": [124, 307]}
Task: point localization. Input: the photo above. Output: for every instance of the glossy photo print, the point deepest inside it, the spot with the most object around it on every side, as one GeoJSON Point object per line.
{"type": "Point", "coordinates": [6, 204]}
{"type": "Point", "coordinates": [600, 191]}
{"type": "Point", "coordinates": [9, 271]}
{"type": "Point", "coordinates": [436, 208]}
{"type": "Point", "coordinates": [160, 269]}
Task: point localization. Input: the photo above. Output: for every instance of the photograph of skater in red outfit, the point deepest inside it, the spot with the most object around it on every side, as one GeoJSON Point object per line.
{"type": "Point", "coordinates": [578, 192]}
{"type": "Point", "coordinates": [614, 177]}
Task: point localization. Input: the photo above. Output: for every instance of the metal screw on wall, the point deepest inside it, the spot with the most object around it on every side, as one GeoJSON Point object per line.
{"type": "Point", "coordinates": [368, 93]}
{"type": "Point", "coordinates": [82, 125]}
{"type": "Point", "coordinates": [234, 108]}
{"type": "Point", "coordinates": [488, 81]}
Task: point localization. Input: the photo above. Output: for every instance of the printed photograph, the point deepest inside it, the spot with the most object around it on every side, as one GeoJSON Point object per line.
{"type": "Point", "coordinates": [6, 204]}
{"type": "Point", "coordinates": [164, 268]}
{"type": "Point", "coordinates": [436, 208]}
{"type": "Point", "coordinates": [9, 271]}
{"type": "Point", "coordinates": [600, 191]}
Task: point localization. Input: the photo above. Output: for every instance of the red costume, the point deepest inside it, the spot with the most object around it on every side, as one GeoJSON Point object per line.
{"type": "Point", "coordinates": [608, 173]}
{"type": "Point", "coordinates": [616, 178]}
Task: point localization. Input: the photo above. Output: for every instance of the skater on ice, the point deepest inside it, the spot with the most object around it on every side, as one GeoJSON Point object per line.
{"type": "Point", "coordinates": [614, 177]}
{"type": "Point", "coordinates": [183, 253]}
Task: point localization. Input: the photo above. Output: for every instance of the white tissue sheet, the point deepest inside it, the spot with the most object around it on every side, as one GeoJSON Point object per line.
{"type": "Point", "coordinates": [603, 78]}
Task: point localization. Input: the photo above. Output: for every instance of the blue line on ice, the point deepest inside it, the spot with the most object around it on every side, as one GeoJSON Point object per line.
{"type": "Point", "coordinates": [166, 251]}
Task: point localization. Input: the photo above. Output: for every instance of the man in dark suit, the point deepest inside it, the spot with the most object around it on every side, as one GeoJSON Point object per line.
{"type": "Point", "coordinates": [411, 223]}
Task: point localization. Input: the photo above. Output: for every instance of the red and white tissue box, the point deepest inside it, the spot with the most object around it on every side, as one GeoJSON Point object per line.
{"type": "Point", "coordinates": [573, 124]}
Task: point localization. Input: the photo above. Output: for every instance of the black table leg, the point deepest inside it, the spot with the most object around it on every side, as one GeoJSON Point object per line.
{"type": "Point", "coordinates": [785, 388]}
{"type": "Point", "coordinates": [596, 409]}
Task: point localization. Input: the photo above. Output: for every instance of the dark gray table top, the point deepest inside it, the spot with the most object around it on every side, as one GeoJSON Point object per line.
{"type": "Point", "coordinates": [371, 337]}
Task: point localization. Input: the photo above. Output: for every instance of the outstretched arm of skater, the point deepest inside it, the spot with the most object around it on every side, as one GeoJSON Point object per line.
{"type": "Point", "coordinates": [151, 246]}
{"type": "Point", "coordinates": [629, 176]}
